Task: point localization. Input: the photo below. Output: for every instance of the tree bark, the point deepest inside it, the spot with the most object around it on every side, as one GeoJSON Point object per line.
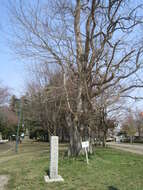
{"type": "Point", "coordinates": [104, 139]}
{"type": "Point", "coordinates": [75, 142]}
{"type": "Point", "coordinates": [75, 137]}
{"type": "Point", "coordinates": [131, 139]}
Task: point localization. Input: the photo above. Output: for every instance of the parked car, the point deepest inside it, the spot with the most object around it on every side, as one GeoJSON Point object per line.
{"type": "Point", "coordinates": [110, 139]}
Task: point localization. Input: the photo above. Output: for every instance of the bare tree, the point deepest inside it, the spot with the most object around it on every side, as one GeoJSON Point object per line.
{"type": "Point", "coordinates": [94, 44]}
{"type": "Point", "coordinates": [129, 126]}
{"type": "Point", "coordinates": [4, 94]}
{"type": "Point", "coordinates": [139, 122]}
{"type": "Point", "coordinates": [46, 100]}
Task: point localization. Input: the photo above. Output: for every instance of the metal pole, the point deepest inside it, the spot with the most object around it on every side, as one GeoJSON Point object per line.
{"type": "Point", "coordinates": [18, 127]}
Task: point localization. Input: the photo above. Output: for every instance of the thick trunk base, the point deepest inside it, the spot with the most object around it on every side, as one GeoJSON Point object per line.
{"type": "Point", "coordinates": [75, 142]}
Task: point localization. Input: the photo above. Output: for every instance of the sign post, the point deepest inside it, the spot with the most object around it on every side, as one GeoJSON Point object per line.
{"type": "Point", "coordinates": [18, 127]}
{"type": "Point", "coordinates": [85, 146]}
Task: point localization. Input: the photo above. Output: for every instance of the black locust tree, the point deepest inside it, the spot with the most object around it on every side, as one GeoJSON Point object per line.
{"type": "Point", "coordinates": [94, 44]}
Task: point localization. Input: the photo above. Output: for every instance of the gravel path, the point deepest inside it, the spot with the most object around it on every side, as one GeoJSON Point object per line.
{"type": "Point", "coordinates": [134, 148]}
{"type": "Point", "coordinates": [3, 181]}
{"type": "Point", "coordinates": [5, 147]}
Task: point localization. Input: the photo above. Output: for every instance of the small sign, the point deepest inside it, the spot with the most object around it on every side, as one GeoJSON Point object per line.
{"type": "Point", "coordinates": [85, 144]}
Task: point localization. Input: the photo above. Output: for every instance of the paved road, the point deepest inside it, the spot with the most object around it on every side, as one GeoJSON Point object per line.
{"type": "Point", "coordinates": [134, 148]}
{"type": "Point", "coordinates": [5, 147]}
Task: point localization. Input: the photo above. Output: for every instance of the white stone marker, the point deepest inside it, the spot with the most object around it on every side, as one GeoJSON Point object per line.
{"type": "Point", "coordinates": [53, 175]}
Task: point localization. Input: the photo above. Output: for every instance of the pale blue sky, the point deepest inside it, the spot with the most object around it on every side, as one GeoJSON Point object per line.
{"type": "Point", "coordinates": [11, 70]}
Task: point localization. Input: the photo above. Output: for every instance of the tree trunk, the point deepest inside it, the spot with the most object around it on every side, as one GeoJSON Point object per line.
{"type": "Point", "coordinates": [139, 132]}
{"type": "Point", "coordinates": [75, 138]}
{"type": "Point", "coordinates": [90, 145]}
{"type": "Point", "coordinates": [104, 139]}
{"type": "Point", "coordinates": [75, 142]}
{"type": "Point", "coordinates": [91, 141]}
{"type": "Point", "coordinates": [131, 139]}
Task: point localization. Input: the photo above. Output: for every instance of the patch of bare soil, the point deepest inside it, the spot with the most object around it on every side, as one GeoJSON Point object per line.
{"type": "Point", "coordinates": [3, 181]}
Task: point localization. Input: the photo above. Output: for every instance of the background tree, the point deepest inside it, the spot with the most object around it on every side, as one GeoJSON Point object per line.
{"type": "Point", "coordinates": [129, 126]}
{"type": "Point", "coordinates": [4, 94]}
{"type": "Point", "coordinates": [139, 123]}
{"type": "Point", "coordinates": [4, 98]}
{"type": "Point", "coordinates": [45, 106]}
{"type": "Point", "coordinates": [8, 122]}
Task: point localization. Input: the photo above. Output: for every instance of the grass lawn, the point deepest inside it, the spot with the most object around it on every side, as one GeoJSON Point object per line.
{"type": "Point", "coordinates": [108, 169]}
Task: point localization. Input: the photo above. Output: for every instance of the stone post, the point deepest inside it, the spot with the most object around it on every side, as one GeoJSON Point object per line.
{"type": "Point", "coordinates": [53, 174]}
{"type": "Point", "coordinates": [54, 157]}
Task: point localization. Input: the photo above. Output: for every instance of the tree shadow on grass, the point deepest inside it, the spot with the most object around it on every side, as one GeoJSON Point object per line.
{"type": "Point", "coordinates": [47, 170]}
{"type": "Point", "coordinates": [112, 188]}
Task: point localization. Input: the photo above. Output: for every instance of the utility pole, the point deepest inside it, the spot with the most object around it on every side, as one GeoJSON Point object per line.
{"type": "Point", "coordinates": [18, 127]}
